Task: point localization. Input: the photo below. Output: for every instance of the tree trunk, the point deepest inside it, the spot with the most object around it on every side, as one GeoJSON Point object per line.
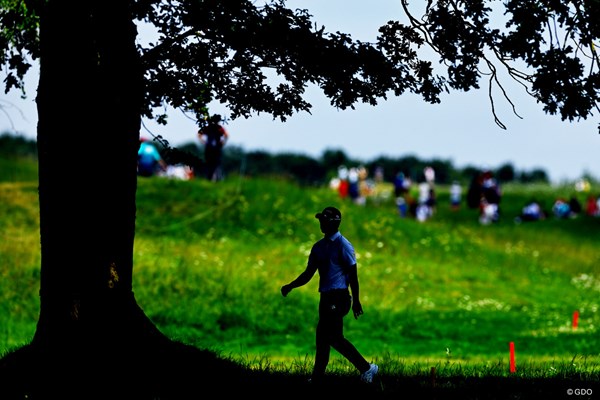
{"type": "Point", "coordinates": [88, 135]}
{"type": "Point", "coordinates": [92, 339]}
{"type": "Point", "coordinates": [91, 336]}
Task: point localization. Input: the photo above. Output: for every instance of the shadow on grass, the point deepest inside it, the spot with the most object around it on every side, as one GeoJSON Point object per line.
{"type": "Point", "coordinates": [185, 372]}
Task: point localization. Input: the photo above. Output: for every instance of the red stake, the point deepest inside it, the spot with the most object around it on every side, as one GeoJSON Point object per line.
{"type": "Point", "coordinates": [513, 367]}
{"type": "Point", "coordinates": [575, 319]}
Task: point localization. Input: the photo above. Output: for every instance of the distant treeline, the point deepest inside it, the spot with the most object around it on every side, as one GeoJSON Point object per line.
{"type": "Point", "coordinates": [318, 171]}
{"type": "Point", "coordinates": [305, 169]}
{"type": "Point", "coordinates": [17, 146]}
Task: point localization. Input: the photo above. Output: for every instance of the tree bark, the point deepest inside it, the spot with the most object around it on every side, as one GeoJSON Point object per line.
{"type": "Point", "coordinates": [91, 334]}
{"type": "Point", "coordinates": [88, 135]}
{"type": "Point", "coordinates": [92, 339]}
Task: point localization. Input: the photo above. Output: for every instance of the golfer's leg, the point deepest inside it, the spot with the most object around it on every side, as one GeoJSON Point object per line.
{"type": "Point", "coordinates": [347, 349]}
{"type": "Point", "coordinates": [339, 342]}
{"type": "Point", "coordinates": [323, 350]}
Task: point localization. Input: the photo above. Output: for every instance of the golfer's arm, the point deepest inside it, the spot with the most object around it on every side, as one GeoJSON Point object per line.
{"type": "Point", "coordinates": [353, 280]}
{"type": "Point", "coordinates": [303, 278]}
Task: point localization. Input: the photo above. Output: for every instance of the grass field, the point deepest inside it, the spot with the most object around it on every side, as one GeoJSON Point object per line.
{"type": "Point", "coordinates": [447, 293]}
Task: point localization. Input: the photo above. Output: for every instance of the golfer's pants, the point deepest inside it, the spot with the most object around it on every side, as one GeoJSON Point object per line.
{"type": "Point", "coordinates": [334, 305]}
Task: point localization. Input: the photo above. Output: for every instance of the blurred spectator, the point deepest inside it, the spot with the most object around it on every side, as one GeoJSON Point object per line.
{"type": "Point", "coordinates": [365, 186]}
{"type": "Point", "coordinates": [488, 213]}
{"type": "Point", "coordinates": [179, 171]}
{"type": "Point", "coordinates": [592, 206]}
{"type": "Point", "coordinates": [150, 161]}
{"type": "Point", "coordinates": [575, 206]}
{"type": "Point", "coordinates": [402, 206]}
{"type": "Point", "coordinates": [401, 186]}
{"type": "Point", "coordinates": [561, 208]}
{"type": "Point", "coordinates": [343, 181]}
{"type": "Point", "coordinates": [583, 185]}
{"type": "Point", "coordinates": [474, 192]}
{"type": "Point", "coordinates": [426, 202]}
{"type": "Point", "coordinates": [455, 195]}
{"type": "Point", "coordinates": [429, 174]}
{"type": "Point", "coordinates": [490, 195]}
{"type": "Point", "coordinates": [532, 211]}
{"type": "Point", "coordinates": [213, 136]}
{"type": "Point", "coordinates": [353, 185]}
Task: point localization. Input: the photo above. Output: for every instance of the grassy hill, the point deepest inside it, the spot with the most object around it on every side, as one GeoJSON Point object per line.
{"type": "Point", "coordinates": [447, 293]}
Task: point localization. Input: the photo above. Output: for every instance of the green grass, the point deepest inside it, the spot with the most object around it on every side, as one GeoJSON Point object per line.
{"type": "Point", "coordinates": [448, 293]}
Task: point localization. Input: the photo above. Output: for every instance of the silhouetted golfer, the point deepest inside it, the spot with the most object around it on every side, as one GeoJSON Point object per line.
{"type": "Point", "coordinates": [334, 258]}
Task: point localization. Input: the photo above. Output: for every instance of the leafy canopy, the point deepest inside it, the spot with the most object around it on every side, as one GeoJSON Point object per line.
{"type": "Point", "coordinates": [259, 58]}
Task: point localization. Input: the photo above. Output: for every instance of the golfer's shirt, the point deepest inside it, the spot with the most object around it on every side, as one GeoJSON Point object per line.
{"type": "Point", "coordinates": [333, 255]}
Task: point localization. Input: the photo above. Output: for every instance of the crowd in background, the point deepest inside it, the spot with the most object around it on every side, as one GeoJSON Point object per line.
{"type": "Point", "coordinates": [416, 199]}
{"type": "Point", "coordinates": [419, 199]}
{"type": "Point", "coordinates": [212, 136]}
{"type": "Point", "coordinates": [562, 208]}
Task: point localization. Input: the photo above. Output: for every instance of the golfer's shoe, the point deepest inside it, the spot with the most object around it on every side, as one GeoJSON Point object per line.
{"type": "Point", "coordinates": [368, 375]}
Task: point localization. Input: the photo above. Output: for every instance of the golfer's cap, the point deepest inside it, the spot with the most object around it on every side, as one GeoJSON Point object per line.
{"type": "Point", "coordinates": [329, 213]}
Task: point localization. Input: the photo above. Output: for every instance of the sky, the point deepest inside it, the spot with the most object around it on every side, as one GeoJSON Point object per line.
{"type": "Point", "coordinates": [461, 129]}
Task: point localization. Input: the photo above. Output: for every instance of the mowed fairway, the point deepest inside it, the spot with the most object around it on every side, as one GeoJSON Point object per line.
{"type": "Point", "coordinates": [210, 259]}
